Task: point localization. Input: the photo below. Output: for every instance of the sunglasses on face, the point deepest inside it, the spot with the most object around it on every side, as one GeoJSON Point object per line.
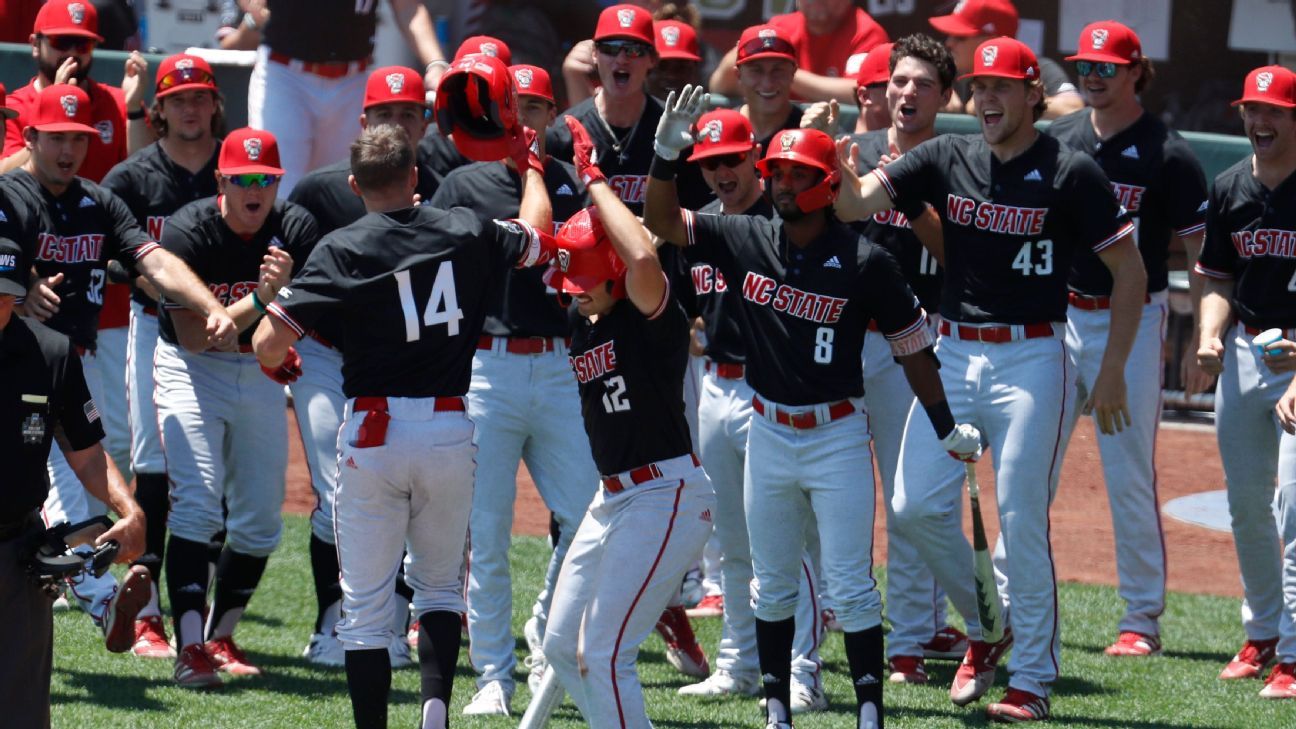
{"type": "Point", "coordinates": [710, 164]}
{"type": "Point", "coordinates": [612, 49]}
{"type": "Point", "coordinates": [74, 43]}
{"type": "Point", "coordinates": [767, 45]}
{"type": "Point", "coordinates": [1104, 70]}
{"type": "Point", "coordinates": [253, 179]}
{"type": "Point", "coordinates": [185, 76]}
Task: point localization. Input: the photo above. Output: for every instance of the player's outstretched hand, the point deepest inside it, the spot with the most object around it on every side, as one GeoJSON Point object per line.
{"type": "Point", "coordinates": [963, 443]}
{"type": "Point", "coordinates": [276, 272]}
{"type": "Point", "coordinates": [821, 115]}
{"type": "Point", "coordinates": [42, 302]}
{"type": "Point", "coordinates": [850, 197]}
{"type": "Point", "coordinates": [128, 531]}
{"type": "Point", "coordinates": [64, 74]}
{"type": "Point", "coordinates": [1108, 402]}
{"type": "Point", "coordinates": [134, 79]}
{"type": "Point", "coordinates": [1195, 380]}
{"type": "Point", "coordinates": [288, 371]}
{"type": "Point", "coordinates": [584, 155]}
{"type": "Point", "coordinates": [1280, 356]}
{"type": "Point", "coordinates": [1210, 356]}
{"type": "Point", "coordinates": [524, 149]}
{"type": "Point", "coordinates": [675, 129]}
{"type": "Point", "coordinates": [222, 334]}
{"type": "Point", "coordinates": [1286, 409]}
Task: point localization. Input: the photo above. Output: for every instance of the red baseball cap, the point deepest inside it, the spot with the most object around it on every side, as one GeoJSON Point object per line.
{"type": "Point", "coordinates": [1005, 58]}
{"type": "Point", "coordinates": [876, 68]}
{"type": "Point", "coordinates": [723, 131]}
{"type": "Point", "coordinates": [183, 72]}
{"type": "Point", "coordinates": [68, 17]}
{"type": "Point", "coordinates": [629, 22]}
{"type": "Point", "coordinates": [676, 39]}
{"type": "Point", "coordinates": [394, 85]}
{"type": "Point", "coordinates": [249, 151]}
{"type": "Point", "coordinates": [978, 17]}
{"type": "Point", "coordinates": [485, 45]}
{"type": "Point", "coordinates": [765, 41]}
{"type": "Point", "coordinates": [1273, 85]}
{"type": "Point", "coordinates": [62, 108]}
{"type": "Point", "coordinates": [1108, 41]}
{"type": "Point", "coordinates": [5, 111]}
{"type": "Point", "coordinates": [532, 81]}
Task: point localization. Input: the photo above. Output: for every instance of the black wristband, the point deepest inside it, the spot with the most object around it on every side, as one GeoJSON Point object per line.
{"type": "Point", "coordinates": [135, 114]}
{"type": "Point", "coordinates": [941, 418]}
{"type": "Point", "coordinates": [663, 169]}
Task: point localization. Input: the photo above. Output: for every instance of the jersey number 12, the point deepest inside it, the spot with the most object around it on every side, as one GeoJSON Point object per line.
{"type": "Point", "coordinates": [442, 306]}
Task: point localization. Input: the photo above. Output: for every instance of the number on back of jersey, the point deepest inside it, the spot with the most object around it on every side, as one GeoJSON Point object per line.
{"type": "Point", "coordinates": [1035, 258]}
{"type": "Point", "coordinates": [442, 306]}
{"type": "Point", "coordinates": [614, 400]}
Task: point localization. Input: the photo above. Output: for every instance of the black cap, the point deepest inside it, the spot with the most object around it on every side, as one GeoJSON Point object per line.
{"type": "Point", "coordinates": [13, 279]}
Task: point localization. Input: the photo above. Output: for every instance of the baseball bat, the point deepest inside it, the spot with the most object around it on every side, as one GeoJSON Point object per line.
{"type": "Point", "coordinates": [547, 698]}
{"type": "Point", "coordinates": [992, 627]}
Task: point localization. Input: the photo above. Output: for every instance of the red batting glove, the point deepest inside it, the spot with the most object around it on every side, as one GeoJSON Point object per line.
{"type": "Point", "coordinates": [524, 149]}
{"type": "Point", "coordinates": [583, 153]}
{"type": "Point", "coordinates": [288, 371]}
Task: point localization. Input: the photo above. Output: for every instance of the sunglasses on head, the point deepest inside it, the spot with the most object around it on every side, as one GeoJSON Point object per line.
{"type": "Point", "coordinates": [1105, 69]}
{"type": "Point", "coordinates": [74, 43]}
{"type": "Point", "coordinates": [710, 164]}
{"type": "Point", "coordinates": [771, 44]}
{"type": "Point", "coordinates": [182, 76]}
{"type": "Point", "coordinates": [253, 179]}
{"type": "Point", "coordinates": [613, 48]}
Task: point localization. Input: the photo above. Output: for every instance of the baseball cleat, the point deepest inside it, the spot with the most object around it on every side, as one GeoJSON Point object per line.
{"type": "Point", "coordinates": [868, 717]}
{"type": "Point", "coordinates": [194, 669]}
{"type": "Point", "coordinates": [976, 674]}
{"type": "Point", "coordinates": [228, 657]}
{"type": "Point", "coordinates": [1019, 706]}
{"type": "Point", "coordinates": [722, 683]}
{"type": "Point", "coordinates": [1250, 662]}
{"type": "Point", "coordinates": [119, 617]}
{"type": "Point", "coordinates": [61, 604]}
{"type": "Point", "coordinates": [806, 698]}
{"type": "Point", "coordinates": [682, 649]}
{"type": "Point", "coordinates": [325, 650]}
{"type": "Point", "coordinates": [535, 663]}
{"type": "Point", "coordinates": [907, 669]}
{"type": "Point", "coordinates": [412, 636]}
{"type": "Point", "coordinates": [1281, 683]}
{"type": "Point", "coordinates": [1130, 643]}
{"type": "Point", "coordinates": [711, 606]}
{"type": "Point", "coordinates": [949, 644]}
{"type": "Point", "coordinates": [492, 700]}
{"type": "Point", "coordinates": [151, 639]}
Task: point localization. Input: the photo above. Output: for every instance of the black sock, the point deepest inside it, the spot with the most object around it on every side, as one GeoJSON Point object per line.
{"type": "Point", "coordinates": [864, 653]}
{"type": "Point", "coordinates": [214, 549]}
{"type": "Point", "coordinates": [237, 576]}
{"type": "Point", "coordinates": [328, 578]}
{"type": "Point", "coordinates": [774, 648]}
{"type": "Point", "coordinates": [152, 492]}
{"type": "Point", "coordinates": [186, 582]}
{"type": "Point", "coordinates": [402, 587]}
{"type": "Point", "coordinates": [369, 682]}
{"type": "Point", "coordinates": [438, 647]}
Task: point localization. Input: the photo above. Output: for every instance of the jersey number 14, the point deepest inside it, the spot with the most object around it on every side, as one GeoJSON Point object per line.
{"type": "Point", "coordinates": [442, 306]}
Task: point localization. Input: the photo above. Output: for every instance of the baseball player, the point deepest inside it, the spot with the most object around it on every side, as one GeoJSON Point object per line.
{"type": "Point", "coordinates": [649, 521]}
{"type": "Point", "coordinates": [1247, 261]}
{"type": "Point", "coordinates": [522, 401]}
{"type": "Point", "coordinates": [1015, 208]}
{"type": "Point", "coordinates": [411, 287]}
{"type": "Point", "coordinates": [222, 421]}
{"type": "Point", "coordinates": [188, 114]}
{"type": "Point", "coordinates": [871, 90]}
{"type": "Point", "coordinates": [393, 95]}
{"type": "Point", "coordinates": [917, 89]}
{"type": "Point", "coordinates": [679, 57]}
{"type": "Point", "coordinates": [1159, 181]}
{"type": "Point", "coordinates": [809, 288]}
{"type": "Point", "coordinates": [726, 153]}
{"type": "Point", "coordinates": [765, 64]}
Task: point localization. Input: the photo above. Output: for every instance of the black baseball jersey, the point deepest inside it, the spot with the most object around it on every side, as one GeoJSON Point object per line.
{"type": "Point", "coordinates": [327, 196]}
{"type": "Point", "coordinates": [805, 310]}
{"type": "Point", "coordinates": [626, 162]}
{"type": "Point", "coordinates": [439, 156]}
{"type": "Point", "coordinates": [42, 393]}
{"type": "Point", "coordinates": [1156, 177]}
{"type": "Point", "coordinates": [411, 288]}
{"type": "Point", "coordinates": [721, 312]}
{"type": "Point", "coordinates": [892, 230]}
{"type": "Point", "coordinates": [228, 263]}
{"type": "Point", "coordinates": [75, 234]}
{"type": "Point", "coordinates": [322, 30]}
{"type": "Point", "coordinates": [1251, 239]}
{"type": "Point", "coordinates": [153, 186]}
{"type": "Point", "coordinates": [1011, 228]}
{"type": "Point", "coordinates": [630, 372]}
{"type": "Point", "coordinates": [793, 121]}
{"type": "Point", "coordinates": [520, 305]}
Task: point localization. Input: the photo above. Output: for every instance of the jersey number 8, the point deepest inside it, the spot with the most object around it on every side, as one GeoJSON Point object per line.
{"type": "Point", "coordinates": [823, 345]}
{"type": "Point", "coordinates": [1024, 261]}
{"type": "Point", "coordinates": [442, 306]}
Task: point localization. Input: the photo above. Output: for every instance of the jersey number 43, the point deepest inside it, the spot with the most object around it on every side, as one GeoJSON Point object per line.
{"type": "Point", "coordinates": [442, 306]}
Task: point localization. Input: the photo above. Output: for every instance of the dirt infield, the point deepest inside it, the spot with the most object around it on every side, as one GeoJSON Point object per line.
{"type": "Point", "coordinates": [1201, 561]}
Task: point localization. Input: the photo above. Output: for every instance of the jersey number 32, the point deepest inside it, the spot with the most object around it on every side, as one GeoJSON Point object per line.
{"type": "Point", "coordinates": [442, 306]}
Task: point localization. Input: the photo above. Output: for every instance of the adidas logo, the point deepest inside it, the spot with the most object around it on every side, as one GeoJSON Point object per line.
{"type": "Point", "coordinates": [1033, 176]}
{"type": "Point", "coordinates": [275, 242]}
{"type": "Point", "coordinates": [832, 263]}
{"type": "Point", "coordinates": [86, 202]}
{"type": "Point", "coordinates": [564, 189]}
{"type": "Point", "coordinates": [706, 516]}
{"type": "Point", "coordinates": [867, 679]}
{"type": "Point", "coordinates": [1201, 208]}
{"type": "Point", "coordinates": [350, 463]}
{"type": "Point", "coordinates": [1130, 152]}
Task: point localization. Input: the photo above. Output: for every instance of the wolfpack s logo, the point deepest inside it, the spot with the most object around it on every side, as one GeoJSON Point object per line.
{"type": "Point", "coordinates": [564, 259]}
{"type": "Point", "coordinates": [76, 11]}
{"type": "Point", "coordinates": [711, 132]}
{"type": "Point", "coordinates": [625, 17]}
{"type": "Point", "coordinates": [395, 82]}
{"type": "Point", "coordinates": [69, 103]}
{"type": "Point", "coordinates": [252, 145]}
{"type": "Point", "coordinates": [1263, 80]}
{"type": "Point", "coordinates": [767, 36]}
{"type": "Point", "coordinates": [184, 64]}
{"type": "Point", "coordinates": [670, 34]}
{"type": "Point", "coordinates": [988, 55]}
{"type": "Point", "coordinates": [1099, 38]}
{"type": "Point", "coordinates": [524, 78]}
{"type": "Point", "coordinates": [105, 129]}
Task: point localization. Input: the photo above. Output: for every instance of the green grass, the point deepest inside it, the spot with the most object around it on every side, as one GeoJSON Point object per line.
{"type": "Point", "coordinates": [93, 689]}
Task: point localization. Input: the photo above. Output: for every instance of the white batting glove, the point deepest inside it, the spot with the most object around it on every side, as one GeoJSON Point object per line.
{"type": "Point", "coordinates": [675, 130]}
{"type": "Point", "coordinates": [963, 443]}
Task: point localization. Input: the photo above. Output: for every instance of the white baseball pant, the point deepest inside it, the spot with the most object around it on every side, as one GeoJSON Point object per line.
{"type": "Point", "coordinates": [318, 402]}
{"type": "Point", "coordinates": [146, 441]}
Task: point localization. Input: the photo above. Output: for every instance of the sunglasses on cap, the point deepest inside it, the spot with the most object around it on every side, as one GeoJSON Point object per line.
{"type": "Point", "coordinates": [1106, 69]}
{"type": "Point", "coordinates": [253, 179]}
{"type": "Point", "coordinates": [772, 44]}
{"type": "Point", "coordinates": [613, 48]}
{"type": "Point", "coordinates": [182, 76]}
{"type": "Point", "coordinates": [711, 164]}
{"type": "Point", "coordinates": [74, 43]}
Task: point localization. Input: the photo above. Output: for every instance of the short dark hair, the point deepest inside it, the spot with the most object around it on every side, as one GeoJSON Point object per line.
{"type": "Point", "coordinates": [1042, 106]}
{"type": "Point", "coordinates": [926, 48]}
{"type": "Point", "coordinates": [381, 157]}
{"type": "Point", "coordinates": [1149, 73]}
{"type": "Point", "coordinates": [159, 125]}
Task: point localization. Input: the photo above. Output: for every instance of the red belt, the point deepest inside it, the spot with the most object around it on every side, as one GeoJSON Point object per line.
{"type": "Point", "coordinates": [1288, 333]}
{"type": "Point", "coordinates": [808, 419]}
{"type": "Point", "coordinates": [1095, 303]}
{"type": "Point", "coordinates": [997, 334]}
{"type": "Point", "coordinates": [520, 345]}
{"type": "Point", "coordinates": [442, 405]}
{"type": "Point", "coordinates": [726, 370]}
{"type": "Point", "coordinates": [637, 476]}
{"type": "Point", "coordinates": [150, 309]}
{"type": "Point", "coordinates": [325, 69]}
{"type": "Point", "coordinates": [873, 326]}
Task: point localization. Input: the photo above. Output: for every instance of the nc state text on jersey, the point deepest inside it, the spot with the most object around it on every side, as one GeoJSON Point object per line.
{"type": "Point", "coordinates": [70, 249]}
{"type": "Point", "coordinates": [594, 363]}
{"type": "Point", "coordinates": [995, 218]}
{"type": "Point", "coordinates": [1130, 196]}
{"type": "Point", "coordinates": [707, 279]}
{"type": "Point", "coordinates": [817, 308]}
{"type": "Point", "coordinates": [1274, 242]}
{"type": "Point", "coordinates": [631, 189]}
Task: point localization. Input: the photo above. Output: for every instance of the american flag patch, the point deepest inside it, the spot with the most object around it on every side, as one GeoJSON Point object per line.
{"type": "Point", "coordinates": [91, 412]}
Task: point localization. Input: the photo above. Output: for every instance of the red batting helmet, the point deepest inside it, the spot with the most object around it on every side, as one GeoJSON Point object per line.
{"type": "Point", "coordinates": [812, 148]}
{"type": "Point", "coordinates": [476, 102]}
{"type": "Point", "coordinates": [586, 258]}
